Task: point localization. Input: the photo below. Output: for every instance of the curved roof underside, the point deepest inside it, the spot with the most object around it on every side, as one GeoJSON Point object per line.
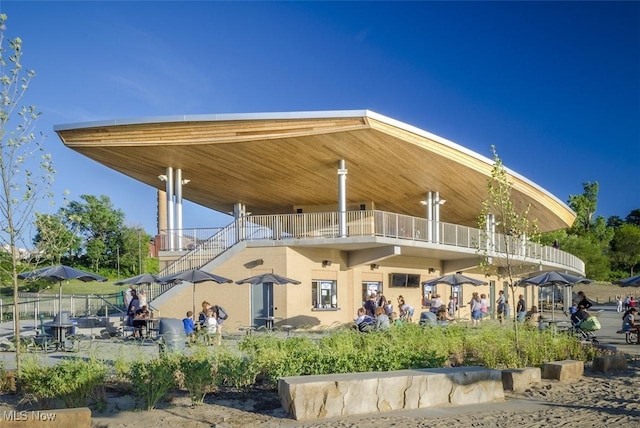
{"type": "Point", "coordinates": [273, 162]}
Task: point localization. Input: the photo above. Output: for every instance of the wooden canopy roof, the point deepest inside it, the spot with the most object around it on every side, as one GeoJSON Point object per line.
{"type": "Point", "coordinates": [275, 162]}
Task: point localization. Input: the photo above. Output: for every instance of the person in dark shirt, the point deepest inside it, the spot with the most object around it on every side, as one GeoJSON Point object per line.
{"type": "Point", "coordinates": [583, 300]}
{"type": "Point", "coordinates": [580, 315]}
{"type": "Point", "coordinates": [370, 305]}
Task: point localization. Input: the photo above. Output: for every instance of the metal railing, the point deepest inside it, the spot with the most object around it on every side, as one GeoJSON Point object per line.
{"type": "Point", "coordinates": [365, 223]}
{"type": "Point", "coordinates": [32, 305]}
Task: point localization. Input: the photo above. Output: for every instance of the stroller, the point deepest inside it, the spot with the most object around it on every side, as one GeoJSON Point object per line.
{"type": "Point", "coordinates": [584, 329]}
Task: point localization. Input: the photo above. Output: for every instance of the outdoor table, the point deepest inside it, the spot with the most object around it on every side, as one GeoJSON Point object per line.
{"type": "Point", "coordinates": [59, 332]}
{"type": "Point", "coordinates": [268, 322]}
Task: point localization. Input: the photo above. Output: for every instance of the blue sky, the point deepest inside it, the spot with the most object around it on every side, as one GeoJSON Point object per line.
{"type": "Point", "coordinates": [554, 86]}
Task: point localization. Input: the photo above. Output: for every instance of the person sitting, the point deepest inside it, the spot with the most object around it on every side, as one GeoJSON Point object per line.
{"type": "Point", "coordinates": [382, 319]}
{"type": "Point", "coordinates": [393, 318]}
{"type": "Point", "coordinates": [363, 322]}
{"type": "Point", "coordinates": [140, 321]}
{"type": "Point", "coordinates": [532, 317]}
{"type": "Point", "coordinates": [189, 325]}
{"type": "Point", "coordinates": [428, 318]}
{"type": "Point", "coordinates": [442, 314]}
{"type": "Point", "coordinates": [629, 320]}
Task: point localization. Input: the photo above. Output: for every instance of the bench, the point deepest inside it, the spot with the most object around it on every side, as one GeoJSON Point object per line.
{"type": "Point", "coordinates": [324, 396]}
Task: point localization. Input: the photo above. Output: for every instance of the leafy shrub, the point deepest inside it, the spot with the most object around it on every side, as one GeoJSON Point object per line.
{"type": "Point", "coordinates": [75, 382]}
{"type": "Point", "coordinates": [152, 380]}
{"type": "Point", "coordinates": [233, 370]}
{"type": "Point", "coordinates": [409, 346]}
{"type": "Point", "coordinates": [197, 376]}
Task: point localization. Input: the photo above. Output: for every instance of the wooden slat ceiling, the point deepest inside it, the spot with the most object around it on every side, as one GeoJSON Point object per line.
{"type": "Point", "coordinates": [272, 165]}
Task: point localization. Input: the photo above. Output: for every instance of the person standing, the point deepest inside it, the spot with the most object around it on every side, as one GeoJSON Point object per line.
{"type": "Point", "coordinates": [142, 296]}
{"type": "Point", "coordinates": [521, 308]}
{"type": "Point", "coordinates": [583, 300]}
{"type": "Point", "coordinates": [501, 303]}
{"type": "Point", "coordinates": [618, 303]}
{"type": "Point", "coordinates": [484, 305]}
{"type": "Point", "coordinates": [212, 326]}
{"type": "Point", "coordinates": [453, 306]}
{"type": "Point", "coordinates": [370, 305]}
{"type": "Point", "coordinates": [189, 325]}
{"type": "Point", "coordinates": [476, 311]}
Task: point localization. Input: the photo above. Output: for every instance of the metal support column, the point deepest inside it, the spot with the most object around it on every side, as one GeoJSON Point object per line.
{"type": "Point", "coordinates": [342, 199]}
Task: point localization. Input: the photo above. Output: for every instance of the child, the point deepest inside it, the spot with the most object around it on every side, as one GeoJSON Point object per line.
{"type": "Point", "coordinates": [189, 325]}
{"type": "Point", "coordinates": [212, 325]}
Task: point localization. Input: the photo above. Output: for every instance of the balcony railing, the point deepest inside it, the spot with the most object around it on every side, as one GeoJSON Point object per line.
{"type": "Point", "coordinates": [209, 243]}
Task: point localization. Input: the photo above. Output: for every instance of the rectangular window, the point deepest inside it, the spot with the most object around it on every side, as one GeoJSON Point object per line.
{"type": "Point", "coordinates": [324, 294]}
{"type": "Point", "coordinates": [369, 288]}
{"type": "Point", "coordinates": [404, 280]}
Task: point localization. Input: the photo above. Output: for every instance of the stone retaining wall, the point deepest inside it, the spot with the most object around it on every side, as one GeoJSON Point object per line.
{"type": "Point", "coordinates": [324, 396]}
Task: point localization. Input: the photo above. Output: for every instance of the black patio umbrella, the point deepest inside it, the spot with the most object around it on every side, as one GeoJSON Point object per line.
{"type": "Point", "coordinates": [194, 276]}
{"type": "Point", "coordinates": [632, 281]}
{"type": "Point", "coordinates": [268, 278]}
{"type": "Point", "coordinates": [145, 278]}
{"type": "Point", "coordinates": [553, 279]}
{"type": "Point", "coordinates": [454, 279]}
{"type": "Point", "coordinates": [61, 273]}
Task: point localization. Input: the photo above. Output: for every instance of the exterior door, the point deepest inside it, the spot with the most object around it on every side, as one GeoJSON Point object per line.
{"type": "Point", "coordinates": [261, 302]}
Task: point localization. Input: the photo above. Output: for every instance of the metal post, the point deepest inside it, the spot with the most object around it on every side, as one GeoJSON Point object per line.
{"type": "Point", "coordinates": [436, 218]}
{"type": "Point", "coordinates": [178, 208]}
{"type": "Point", "coordinates": [342, 198]}
{"type": "Point", "coordinates": [430, 217]}
{"type": "Point", "coordinates": [170, 212]}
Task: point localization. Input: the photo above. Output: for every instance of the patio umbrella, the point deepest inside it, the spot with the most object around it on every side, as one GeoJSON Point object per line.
{"type": "Point", "coordinates": [268, 278]}
{"type": "Point", "coordinates": [145, 278]}
{"type": "Point", "coordinates": [454, 279]}
{"type": "Point", "coordinates": [61, 273]}
{"type": "Point", "coordinates": [553, 279]}
{"type": "Point", "coordinates": [632, 281]}
{"type": "Point", "coordinates": [194, 276]}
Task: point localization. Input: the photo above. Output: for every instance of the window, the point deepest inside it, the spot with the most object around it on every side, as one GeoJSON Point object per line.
{"type": "Point", "coordinates": [404, 280]}
{"type": "Point", "coordinates": [369, 288]}
{"type": "Point", "coordinates": [324, 294]}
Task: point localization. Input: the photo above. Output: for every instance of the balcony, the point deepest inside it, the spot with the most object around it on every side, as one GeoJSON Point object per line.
{"type": "Point", "coordinates": [196, 247]}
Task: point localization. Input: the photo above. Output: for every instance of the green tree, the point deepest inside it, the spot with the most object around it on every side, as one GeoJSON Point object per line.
{"type": "Point", "coordinates": [625, 248]}
{"type": "Point", "coordinates": [590, 235]}
{"type": "Point", "coordinates": [585, 208]}
{"type": "Point", "coordinates": [99, 223]}
{"type": "Point", "coordinates": [54, 239]}
{"type": "Point", "coordinates": [501, 253]}
{"type": "Point", "coordinates": [134, 253]}
{"type": "Point", "coordinates": [26, 170]}
{"type": "Point", "coordinates": [634, 217]}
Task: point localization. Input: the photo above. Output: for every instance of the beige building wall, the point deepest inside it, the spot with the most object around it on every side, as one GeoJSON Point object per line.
{"type": "Point", "coordinates": [293, 303]}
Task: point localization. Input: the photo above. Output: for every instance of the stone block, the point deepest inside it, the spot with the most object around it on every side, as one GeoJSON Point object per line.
{"type": "Point", "coordinates": [520, 379]}
{"type": "Point", "coordinates": [316, 397]}
{"type": "Point", "coordinates": [56, 418]}
{"type": "Point", "coordinates": [609, 363]}
{"type": "Point", "coordinates": [564, 371]}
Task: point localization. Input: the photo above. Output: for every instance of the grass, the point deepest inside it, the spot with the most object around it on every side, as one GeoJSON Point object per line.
{"type": "Point", "coordinates": [76, 287]}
